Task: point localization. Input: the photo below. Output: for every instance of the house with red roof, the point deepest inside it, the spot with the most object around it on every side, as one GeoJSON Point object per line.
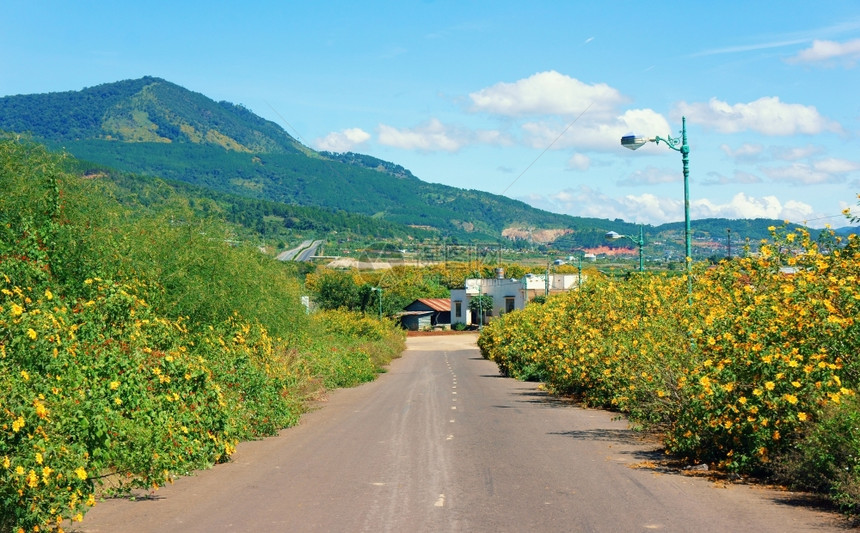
{"type": "Point", "coordinates": [426, 313]}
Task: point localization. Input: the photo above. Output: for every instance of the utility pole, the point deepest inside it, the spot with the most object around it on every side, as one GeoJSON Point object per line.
{"type": "Point", "coordinates": [729, 241]}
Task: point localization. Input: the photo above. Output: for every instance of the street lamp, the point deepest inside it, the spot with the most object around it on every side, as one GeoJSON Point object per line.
{"type": "Point", "coordinates": [379, 290]}
{"type": "Point", "coordinates": [679, 145]}
{"type": "Point", "coordinates": [613, 236]}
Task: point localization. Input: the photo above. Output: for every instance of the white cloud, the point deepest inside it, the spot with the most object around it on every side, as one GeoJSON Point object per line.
{"type": "Point", "coordinates": [434, 136]}
{"type": "Point", "coordinates": [643, 122]}
{"type": "Point", "coordinates": [833, 165]}
{"type": "Point", "coordinates": [746, 152]}
{"type": "Point", "coordinates": [826, 52]}
{"type": "Point", "coordinates": [431, 136]}
{"type": "Point", "coordinates": [750, 47]}
{"type": "Point", "coordinates": [546, 93]}
{"type": "Point", "coordinates": [739, 177]}
{"type": "Point", "coordinates": [579, 162]}
{"type": "Point", "coordinates": [587, 202]}
{"type": "Point", "coordinates": [651, 209]}
{"type": "Point", "coordinates": [767, 115]}
{"type": "Point", "coordinates": [743, 206]}
{"type": "Point", "coordinates": [829, 170]}
{"type": "Point", "coordinates": [342, 141]}
{"type": "Point", "coordinates": [650, 176]}
{"type": "Point", "coordinates": [796, 153]}
{"type": "Point", "coordinates": [594, 132]}
{"type": "Point", "coordinates": [798, 174]}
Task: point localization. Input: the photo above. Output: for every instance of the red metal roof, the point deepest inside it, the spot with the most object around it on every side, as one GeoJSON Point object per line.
{"type": "Point", "coordinates": [437, 304]}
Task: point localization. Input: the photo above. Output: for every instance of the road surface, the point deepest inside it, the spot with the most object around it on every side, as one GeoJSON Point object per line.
{"type": "Point", "coordinates": [302, 252]}
{"type": "Point", "coordinates": [442, 443]}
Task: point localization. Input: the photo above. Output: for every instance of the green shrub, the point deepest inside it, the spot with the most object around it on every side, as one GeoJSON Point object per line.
{"type": "Point", "coordinates": [826, 457]}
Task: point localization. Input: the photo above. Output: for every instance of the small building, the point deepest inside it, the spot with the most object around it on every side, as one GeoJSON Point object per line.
{"type": "Point", "coordinates": [426, 313]}
{"type": "Point", "coordinates": [508, 294]}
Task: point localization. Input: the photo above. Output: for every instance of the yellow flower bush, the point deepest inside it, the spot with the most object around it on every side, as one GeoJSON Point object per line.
{"type": "Point", "coordinates": [736, 377]}
{"type": "Point", "coordinates": [136, 351]}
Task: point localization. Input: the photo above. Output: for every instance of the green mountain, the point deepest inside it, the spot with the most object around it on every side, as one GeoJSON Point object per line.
{"type": "Point", "coordinates": [152, 127]}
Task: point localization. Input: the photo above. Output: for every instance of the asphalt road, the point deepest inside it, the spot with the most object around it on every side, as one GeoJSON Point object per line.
{"type": "Point", "coordinates": [442, 443]}
{"type": "Point", "coordinates": [302, 252]}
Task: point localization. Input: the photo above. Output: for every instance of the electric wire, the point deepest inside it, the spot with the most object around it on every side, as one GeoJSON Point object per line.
{"type": "Point", "coordinates": [546, 149]}
{"type": "Point", "coordinates": [298, 135]}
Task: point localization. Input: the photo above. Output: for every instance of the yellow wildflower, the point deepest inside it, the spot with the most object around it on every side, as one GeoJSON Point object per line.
{"type": "Point", "coordinates": [769, 385]}
{"type": "Point", "coordinates": [41, 410]}
{"type": "Point", "coordinates": [114, 385]}
{"type": "Point", "coordinates": [18, 424]}
{"type": "Point", "coordinates": [801, 416]}
{"type": "Point", "coordinates": [81, 473]}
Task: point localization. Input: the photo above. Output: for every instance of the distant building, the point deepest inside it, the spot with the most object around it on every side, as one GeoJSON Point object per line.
{"type": "Point", "coordinates": [508, 294]}
{"type": "Point", "coordinates": [426, 313]}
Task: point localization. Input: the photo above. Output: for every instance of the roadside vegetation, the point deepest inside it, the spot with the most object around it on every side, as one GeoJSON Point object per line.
{"type": "Point", "coordinates": [758, 374]}
{"type": "Point", "coordinates": [139, 342]}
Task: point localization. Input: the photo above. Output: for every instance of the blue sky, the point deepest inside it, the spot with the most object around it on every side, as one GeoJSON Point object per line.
{"type": "Point", "coordinates": [523, 99]}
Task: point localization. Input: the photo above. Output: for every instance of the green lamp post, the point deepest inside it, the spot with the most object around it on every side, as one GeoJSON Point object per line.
{"type": "Point", "coordinates": [640, 242]}
{"type": "Point", "coordinates": [679, 145]}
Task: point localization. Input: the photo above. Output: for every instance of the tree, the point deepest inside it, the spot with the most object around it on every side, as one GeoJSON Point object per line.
{"type": "Point", "coordinates": [481, 304]}
{"type": "Point", "coordinates": [336, 290]}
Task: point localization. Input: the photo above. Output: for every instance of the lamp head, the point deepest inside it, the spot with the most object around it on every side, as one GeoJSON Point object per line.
{"type": "Point", "coordinates": [633, 142]}
{"type": "Point", "coordinates": [613, 236]}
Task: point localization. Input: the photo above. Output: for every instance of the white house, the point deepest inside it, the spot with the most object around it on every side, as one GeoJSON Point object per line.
{"type": "Point", "coordinates": [508, 294]}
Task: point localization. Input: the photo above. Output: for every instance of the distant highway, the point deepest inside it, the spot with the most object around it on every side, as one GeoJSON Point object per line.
{"type": "Point", "coordinates": [302, 252]}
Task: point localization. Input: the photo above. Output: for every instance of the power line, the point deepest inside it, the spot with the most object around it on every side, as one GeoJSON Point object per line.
{"type": "Point", "coordinates": [805, 222]}
{"type": "Point", "coordinates": [547, 148]}
{"type": "Point", "coordinates": [298, 135]}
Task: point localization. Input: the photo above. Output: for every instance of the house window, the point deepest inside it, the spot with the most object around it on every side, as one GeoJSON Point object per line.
{"type": "Point", "coordinates": [458, 308]}
{"type": "Point", "coordinates": [509, 304]}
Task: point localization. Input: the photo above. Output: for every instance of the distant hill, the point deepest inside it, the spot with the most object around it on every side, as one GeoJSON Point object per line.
{"type": "Point", "coordinates": [147, 110]}
{"type": "Point", "coordinates": [152, 127]}
{"type": "Point", "coordinates": [848, 230]}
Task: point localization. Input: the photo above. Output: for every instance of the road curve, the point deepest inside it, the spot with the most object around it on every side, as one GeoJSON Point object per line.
{"type": "Point", "coordinates": [442, 443]}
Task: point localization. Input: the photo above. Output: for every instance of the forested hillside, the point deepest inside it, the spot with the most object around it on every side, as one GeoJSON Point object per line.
{"type": "Point", "coordinates": [152, 127]}
{"type": "Point", "coordinates": [260, 221]}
